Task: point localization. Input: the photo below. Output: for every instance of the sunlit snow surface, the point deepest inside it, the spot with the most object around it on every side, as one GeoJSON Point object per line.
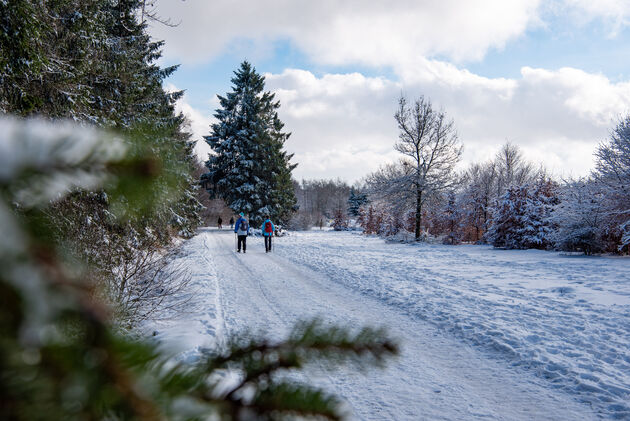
{"type": "Point", "coordinates": [486, 334]}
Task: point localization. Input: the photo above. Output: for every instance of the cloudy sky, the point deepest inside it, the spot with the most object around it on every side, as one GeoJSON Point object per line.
{"type": "Point", "coordinates": [550, 76]}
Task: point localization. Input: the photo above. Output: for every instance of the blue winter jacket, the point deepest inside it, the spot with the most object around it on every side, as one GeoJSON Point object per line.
{"type": "Point", "coordinates": [273, 228]}
{"type": "Point", "coordinates": [238, 224]}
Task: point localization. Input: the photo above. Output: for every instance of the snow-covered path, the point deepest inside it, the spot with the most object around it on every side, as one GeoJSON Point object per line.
{"type": "Point", "coordinates": [438, 376]}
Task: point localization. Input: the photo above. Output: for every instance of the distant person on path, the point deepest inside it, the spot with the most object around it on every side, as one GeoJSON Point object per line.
{"type": "Point", "coordinates": [231, 222]}
{"type": "Point", "coordinates": [220, 223]}
{"type": "Point", "coordinates": [267, 231]}
{"type": "Point", "coordinates": [321, 223]}
{"type": "Point", "coordinates": [241, 229]}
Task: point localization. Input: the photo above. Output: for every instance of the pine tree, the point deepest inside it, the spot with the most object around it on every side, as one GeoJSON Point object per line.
{"type": "Point", "coordinates": [523, 219]}
{"type": "Point", "coordinates": [95, 62]}
{"type": "Point", "coordinates": [506, 218]}
{"type": "Point", "coordinates": [580, 217]}
{"type": "Point", "coordinates": [538, 225]}
{"type": "Point", "coordinates": [46, 49]}
{"type": "Point", "coordinates": [22, 56]}
{"type": "Point", "coordinates": [249, 170]}
{"type": "Point", "coordinates": [355, 201]}
{"type": "Point", "coordinates": [127, 94]}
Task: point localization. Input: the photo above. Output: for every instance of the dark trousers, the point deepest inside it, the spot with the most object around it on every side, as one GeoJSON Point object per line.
{"type": "Point", "coordinates": [242, 239]}
{"type": "Point", "coordinates": [267, 242]}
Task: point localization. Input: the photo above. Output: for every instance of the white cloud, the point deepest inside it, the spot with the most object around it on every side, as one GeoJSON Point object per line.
{"type": "Point", "coordinates": [199, 123]}
{"type": "Point", "coordinates": [616, 13]}
{"type": "Point", "coordinates": [370, 32]}
{"type": "Point", "coordinates": [342, 124]}
{"type": "Point", "coordinates": [557, 117]}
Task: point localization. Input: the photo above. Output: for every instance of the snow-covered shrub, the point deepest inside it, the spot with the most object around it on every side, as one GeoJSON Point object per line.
{"type": "Point", "coordinates": [132, 267]}
{"type": "Point", "coordinates": [340, 220]}
{"type": "Point", "coordinates": [371, 219]}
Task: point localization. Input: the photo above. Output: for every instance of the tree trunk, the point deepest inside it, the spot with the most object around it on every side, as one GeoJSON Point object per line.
{"type": "Point", "coordinates": [418, 212]}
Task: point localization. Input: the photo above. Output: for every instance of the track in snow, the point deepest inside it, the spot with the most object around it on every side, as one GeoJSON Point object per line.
{"type": "Point", "coordinates": [436, 377]}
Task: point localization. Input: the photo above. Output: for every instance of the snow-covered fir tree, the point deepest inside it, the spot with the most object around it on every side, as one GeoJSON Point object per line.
{"type": "Point", "coordinates": [506, 219]}
{"type": "Point", "coordinates": [355, 201]}
{"type": "Point", "coordinates": [580, 217]}
{"type": "Point", "coordinates": [538, 224]}
{"type": "Point", "coordinates": [249, 169]}
{"type": "Point", "coordinates": [522, 218]}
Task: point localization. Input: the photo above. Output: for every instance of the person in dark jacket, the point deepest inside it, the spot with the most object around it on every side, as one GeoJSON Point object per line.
{"type": "Point", "coordinates": [267, 231]}
{"type": "Point", "coordinates": [241, 229]}
{"type": "Point", "coordinates": [231, 222]}
{"type": "Point", "coordinates": [220, 223]}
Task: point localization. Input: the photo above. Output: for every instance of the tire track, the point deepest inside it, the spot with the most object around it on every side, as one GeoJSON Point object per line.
{"type": "Point", "coordinates": [222, 330]}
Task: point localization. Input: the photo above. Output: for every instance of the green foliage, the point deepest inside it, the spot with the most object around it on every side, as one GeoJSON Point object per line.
{"type": "Point", "coordinates": [60, 358]}
{"type": "Point", "coordinates": [21, 54]}
{"type": "Point", "coordinates": [94, 62]}
{"type": "Point", "coordinates": [356, 200]}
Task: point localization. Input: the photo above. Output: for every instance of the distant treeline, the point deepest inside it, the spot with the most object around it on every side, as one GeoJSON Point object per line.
{"type": "Point", "coordinates": [318, 200]}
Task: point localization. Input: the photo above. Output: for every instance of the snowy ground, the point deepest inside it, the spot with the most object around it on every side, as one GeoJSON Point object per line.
{"type": "Point", "coordinates": [486, 334]}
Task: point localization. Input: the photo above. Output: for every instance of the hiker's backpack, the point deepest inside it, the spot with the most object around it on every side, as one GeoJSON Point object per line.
{"type": "Point", "coordinates": [268, 227]}
{"type": "Point", "coordinates": [244, 226]}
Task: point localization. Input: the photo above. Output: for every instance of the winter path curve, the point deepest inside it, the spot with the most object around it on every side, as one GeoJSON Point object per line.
{"type": "Point", "coordinates": [437, 377]}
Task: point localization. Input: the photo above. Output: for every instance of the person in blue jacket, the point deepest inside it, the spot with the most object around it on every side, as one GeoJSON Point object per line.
{"type": "Point", "coordinates": [241, 228]}
{"type": "Point", "coordinates": [267, 231]}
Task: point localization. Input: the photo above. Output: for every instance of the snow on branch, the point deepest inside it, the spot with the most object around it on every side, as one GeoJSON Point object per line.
{"type": "Point", "coordinates": [41, 160]}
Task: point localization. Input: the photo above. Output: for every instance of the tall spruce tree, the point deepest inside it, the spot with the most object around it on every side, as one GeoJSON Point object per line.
{"type": "Point", "coordinates": [249, 169]}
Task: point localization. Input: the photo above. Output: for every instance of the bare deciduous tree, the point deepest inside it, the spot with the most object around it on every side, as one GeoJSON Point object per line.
{"type": "Point", "coordinates": [429, 142]}
{"type": "Point", "coordinates": [512, 169]}
{"type": "Point", "coordinates": [318, 200]}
